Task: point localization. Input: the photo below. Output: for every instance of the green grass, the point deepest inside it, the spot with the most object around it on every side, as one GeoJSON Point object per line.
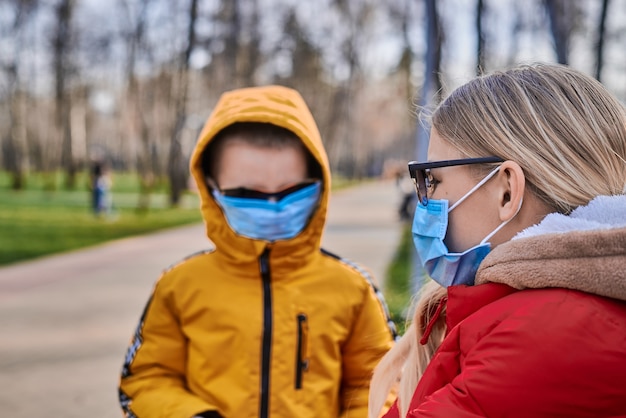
{"type": "Point", "coordinates": [43, 220]}
{"type": "Point", "coordinates": [339, 183]}
{"type": "Point", "coordinates": [55, 182]}
{"type": "Point", "coordinates": [46, 218]}
{"type": "Point", "coordinates": [398, 291]}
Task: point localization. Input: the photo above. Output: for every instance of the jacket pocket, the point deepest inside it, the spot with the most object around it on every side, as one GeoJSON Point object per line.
{"type": "Point", "coordinates": [302, 360]}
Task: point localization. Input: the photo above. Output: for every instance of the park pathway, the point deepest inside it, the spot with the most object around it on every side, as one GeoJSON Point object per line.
{"type": "Point", "coordinates": [65, 320]}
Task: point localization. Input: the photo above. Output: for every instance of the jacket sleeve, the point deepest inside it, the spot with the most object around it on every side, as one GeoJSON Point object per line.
{"type": "Point", "coordinates": [372, 336]}
{"type": "Point", "coordinates": [153, 382]}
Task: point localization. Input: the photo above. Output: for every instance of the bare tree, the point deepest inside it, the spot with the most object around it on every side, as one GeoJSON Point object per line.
{"type": "Point", "coordinates": [345, 153]}
{"type": "Point", "coordinates": [249, 55]}
{"type": "Point", "coordinates": [15, 150]}
{"type": "Point", "coordinates": [480, 35]}
{"type": "Point", "coordinates": [161, 94]}
{"type": "Point", "coordinates": [177, 167]}
{"type": "Point", "coordinates": [403, 16]}
{"type": "Point", "coordinates": [561, 24]}
{"type": "Point", "coordinates": [431, 89]}
{"type": "Point", "coordinates": [15, 147]}
{"type": "Point", "coordinates": [135, 117]}
{"type": "Point", "coordinates": [600, 41]}
{"type": "Point", "coordinates": [307, 70]}
{"type": "Point", "coordinates": [224, 70]}
{"type": "Point", "coordinates": [62, 44]}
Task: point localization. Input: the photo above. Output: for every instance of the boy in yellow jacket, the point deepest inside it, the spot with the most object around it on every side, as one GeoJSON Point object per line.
{"type": "Point", "coordinates": [267, 324]}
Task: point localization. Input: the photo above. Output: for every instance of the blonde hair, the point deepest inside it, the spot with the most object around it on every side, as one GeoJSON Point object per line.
{"type": "Point", "coordinates": [405, 363]}
{"type": "Point", "coordinates": [565, 130]}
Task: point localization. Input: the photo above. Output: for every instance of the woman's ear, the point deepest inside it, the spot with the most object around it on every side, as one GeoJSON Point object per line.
{"type": "Point", "coordinates": [511, 182]}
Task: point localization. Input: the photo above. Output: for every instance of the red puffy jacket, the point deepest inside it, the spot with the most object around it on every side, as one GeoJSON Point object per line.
{"type": "Point", "coordinates": [531, 353]}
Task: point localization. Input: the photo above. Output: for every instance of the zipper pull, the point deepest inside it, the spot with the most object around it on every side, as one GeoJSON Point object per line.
{"type": "Point", "coordinates": [302, 359]}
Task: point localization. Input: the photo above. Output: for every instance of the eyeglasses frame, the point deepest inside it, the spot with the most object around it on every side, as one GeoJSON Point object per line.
{"type": "Point", "coordinates": [415, 167]}
{"type": "Point", "coordinates": [255, 194]}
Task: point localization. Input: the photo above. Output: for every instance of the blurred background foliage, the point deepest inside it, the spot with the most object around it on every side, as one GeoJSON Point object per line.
{"type": "Point", "coordinates": [132, 81]}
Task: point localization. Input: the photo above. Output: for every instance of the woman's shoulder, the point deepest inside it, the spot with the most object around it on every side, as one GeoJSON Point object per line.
{"type": "Point", "coordinates": [554, 300]}
{"type": "Point", "coordinates": [552, 315]}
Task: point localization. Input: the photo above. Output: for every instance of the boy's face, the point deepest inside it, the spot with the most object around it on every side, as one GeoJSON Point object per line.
{"type": "Point", "coordinates": [267, 170]}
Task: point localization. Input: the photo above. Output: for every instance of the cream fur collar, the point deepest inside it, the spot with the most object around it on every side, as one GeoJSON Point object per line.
{"type": "Point", "coordinates": [583, 251]}
{"type": "Point", "coordinates": [603, 212]}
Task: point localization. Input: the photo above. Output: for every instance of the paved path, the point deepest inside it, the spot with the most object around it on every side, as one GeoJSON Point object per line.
{"type": "Point", "coordinates": [65, 320]}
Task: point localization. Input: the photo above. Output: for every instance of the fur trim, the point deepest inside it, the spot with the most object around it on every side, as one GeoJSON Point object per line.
{"type": "Point", "coordinates": [603, 212]}
{"type": "Point", "coordinates": [584, 251]}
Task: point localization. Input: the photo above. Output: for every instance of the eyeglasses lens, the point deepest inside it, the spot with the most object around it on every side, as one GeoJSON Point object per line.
{"type": "Point", "coordinates": [255, 194]}
{"type": "Point", "coordinates": [420, 181]}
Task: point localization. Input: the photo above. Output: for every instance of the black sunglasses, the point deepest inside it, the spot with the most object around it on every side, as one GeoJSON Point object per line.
{"type": "Point", "coordinates": [420, 172]}
{"type": "Point", "coordinates": [276, 196]}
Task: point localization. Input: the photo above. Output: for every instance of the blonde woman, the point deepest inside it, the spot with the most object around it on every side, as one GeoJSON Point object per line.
{"type": "Point", "coordinates": [522, 227]}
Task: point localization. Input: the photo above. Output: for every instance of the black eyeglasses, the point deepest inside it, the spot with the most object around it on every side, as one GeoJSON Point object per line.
{"type": "Point", "coordinates": [276, 196]}
{"type": "Point", "coordinates": [420, 173]}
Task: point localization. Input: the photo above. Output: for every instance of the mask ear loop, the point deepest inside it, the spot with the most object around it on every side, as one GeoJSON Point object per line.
{"type": "Point", "coordinates": [473, 189]}
{"type": "Point", "coordinates": [495, 231]}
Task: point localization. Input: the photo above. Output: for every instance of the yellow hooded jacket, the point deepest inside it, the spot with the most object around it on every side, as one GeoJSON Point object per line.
{"type": "Point", "coordinates": [258, 329]}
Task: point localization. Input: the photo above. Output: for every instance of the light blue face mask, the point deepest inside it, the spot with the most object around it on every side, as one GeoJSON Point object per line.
{"type": "Point", "coordinates": [270, 220]}
{"type": "Point", "coordinates": [430, 225]}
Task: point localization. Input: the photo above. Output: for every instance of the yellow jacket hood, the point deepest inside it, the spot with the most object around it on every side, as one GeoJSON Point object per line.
{"type": "Point", "coordinates": [283, 107]}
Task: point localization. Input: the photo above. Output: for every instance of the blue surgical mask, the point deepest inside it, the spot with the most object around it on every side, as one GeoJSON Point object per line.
{"type": "Point", "coordinates": [430, 225]}
{"type": "Point", "coordinates": [270, 220]}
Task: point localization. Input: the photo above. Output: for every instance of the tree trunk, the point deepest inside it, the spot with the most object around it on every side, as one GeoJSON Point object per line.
{"type": "Point", "coordinates": [480, 35]}
{"type": "Point", "coordinates": [250, 55]}
{"type": "Point", "coordinates": [15, 153]}
{"type": "Point", "coordinates": [333, 132]}
{"type": "Point", "coordinates": [62, 70]}
{"type": "Point", "coordinates": [146, 169]}
{"type": "Point", "coordinates": [177, 167]}
{"type": "Point", "coordinates": [135, 124]}
{"type": "Point", "coordinates": [600, 42]}
{"type": "Point", "coordinates": [229, 67]}
{"type": "Point", "coordinates": [17, 141]}
{"type": "Point", "coordinates": [560, 25]}
{"type": "Point", "coordinates": [67, 151]}
{"type": "Point", "coordinates": [431, 89]}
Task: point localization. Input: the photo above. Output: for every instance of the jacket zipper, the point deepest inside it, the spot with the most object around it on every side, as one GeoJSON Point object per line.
{"type": "Point", "coordinates": [302, 362]}
{"type": "Point", "coordinates": [267, 333]}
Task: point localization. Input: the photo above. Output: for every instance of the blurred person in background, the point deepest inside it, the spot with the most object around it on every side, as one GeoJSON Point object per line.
{"type": "Point", "coordinates": [101, 183]}
{"type": "Point", "coordinates": [408, 200]}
